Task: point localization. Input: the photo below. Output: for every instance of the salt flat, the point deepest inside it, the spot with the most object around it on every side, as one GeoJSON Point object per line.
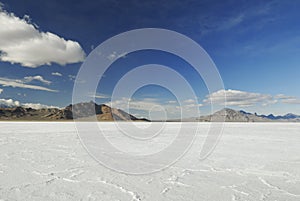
{"type": "Point", "coordinates": [252, 161]}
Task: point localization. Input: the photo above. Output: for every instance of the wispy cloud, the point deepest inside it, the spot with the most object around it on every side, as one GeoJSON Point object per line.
{"type": "Point", "coordinates": [239, 98]}
{"type": "Point", "coordinates": [227, 23]}
{"type": "Point", "coordinates": [56, 74]}
{"type": "Point", "coordinates": [99, 96]}
{"type": "Point", "coordinates": [234, 18]}
{"type": "Point", "coordinates": [247, 99]}
{"type": "Point", "coordinates": [21, 42]}
{"type": "Point", "coordinates": [38, 78]}
{"type": "Point", "coordinates": [6, 82]}
{"type": "Point", "coordinates": [189, 101]}
{"type": "Point", "coordinates": [291, 101]}
{"type": "Point", "coordinates": [171, 102]}
{"type": "Point", "coordinates": [288, 99]}
{"type": "Point", "coordinates": [116, 55]}
{"type": "Point", "coordinates": [145, 106]}
{"type": "Point", "coordinates": [72, 77]}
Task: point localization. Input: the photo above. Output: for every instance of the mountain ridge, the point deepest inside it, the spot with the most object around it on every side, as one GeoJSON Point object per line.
{"type": "Point", "coordinates": [86, 111]}
{"type": "Point", "coordinates": [230, 115]}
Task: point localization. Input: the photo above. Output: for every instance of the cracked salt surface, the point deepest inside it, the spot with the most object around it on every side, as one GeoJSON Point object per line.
{"type": "Point", "coordinates": [46, 161]}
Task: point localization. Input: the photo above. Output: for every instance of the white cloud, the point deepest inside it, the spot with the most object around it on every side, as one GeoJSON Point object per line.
{"type": "Point", "coordinates": [21, 94]}
{"type": "Point", "coordinates": [246, 99]}
{"type": "Point", "coordinates": [99, 96]}
{"type": "Point", "coordinates": [21, 42]}
{"type": "Point", "coordinates": [1, 90]}
{"type": "Point", "coordinates": [189, 101]}
{"type": "Point", "coordinates": [6, 82]}
{"type": "Point", "coordinates": [144, 106]}
{"type": "Point", "coordinates": [71, 77]}
{"type": "Point", "coordinates": [114, 56]}
{"type": "Point", "coordinates": [13, 103]}
{"type": "Point", "coordinates": [288, 99]}
{"type": "Point", "coordinates": [291, 101]}
{"type": "Point", "coordinates": [9, 103]}
{"type": "Point", "coordinates": [56, 74]}
{"type": "Point", "coordinates": [172, 101]}
{"type": "Point", "coordinates": [148, 104]}
{"type": "Point", "coordinates": [214, 23]}
{"type": "Point", "coordinates": [282, 96]}
{"type": "Point", "coordinates": [37, 106]}
{"type": "Point", "coordinates": [239, 98]}
{"type": "Point", "coordinates": [193, 105]}
{"type": "Point", "coordinates": [38, 78]}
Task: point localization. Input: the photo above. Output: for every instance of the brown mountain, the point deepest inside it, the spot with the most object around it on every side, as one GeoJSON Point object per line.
{"type": "Point", "coordinates": [230, 115]}
{"type": "Point", "coordinates": [81, 111]}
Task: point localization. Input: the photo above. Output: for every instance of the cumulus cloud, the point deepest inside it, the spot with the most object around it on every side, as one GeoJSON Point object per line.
{"type": "Point", "coordinates": [13, 103]}
{"type": "Point", "coordinates": [37, 106]}
{"type": "Point", "coordinates": [56, 74]}
{"type": "Point", "coordinates": [21, 42]}
{"type": "Point", "coordinates": [38, 78]}
{"type": "Point", "coordinates": [6, 82]}
{"type": "Point", "coordinates": [9, 103]}
{"type": "Point", "coordinates": [239, 98]}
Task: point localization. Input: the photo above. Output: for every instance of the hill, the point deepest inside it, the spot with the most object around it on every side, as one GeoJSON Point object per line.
{"type": "Point", "coordinates": [81, 111]}
{"type": "Point", "coordinates": [230, 115]}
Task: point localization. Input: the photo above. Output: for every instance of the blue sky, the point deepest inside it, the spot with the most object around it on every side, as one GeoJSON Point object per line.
{"type": "Point", "coordinates": [254, 44]}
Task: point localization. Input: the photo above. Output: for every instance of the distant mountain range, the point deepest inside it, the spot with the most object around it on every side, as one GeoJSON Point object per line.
{"type": "Point", "coordinates": [81, 111]}
{"type": "Point", "coordinates": [230, 115]}
{"type": "Point", "coordinates": [86, 111]}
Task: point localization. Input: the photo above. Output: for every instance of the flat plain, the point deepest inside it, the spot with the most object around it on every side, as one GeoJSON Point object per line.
{"type": "Point", "coordinates": [252, 161]}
